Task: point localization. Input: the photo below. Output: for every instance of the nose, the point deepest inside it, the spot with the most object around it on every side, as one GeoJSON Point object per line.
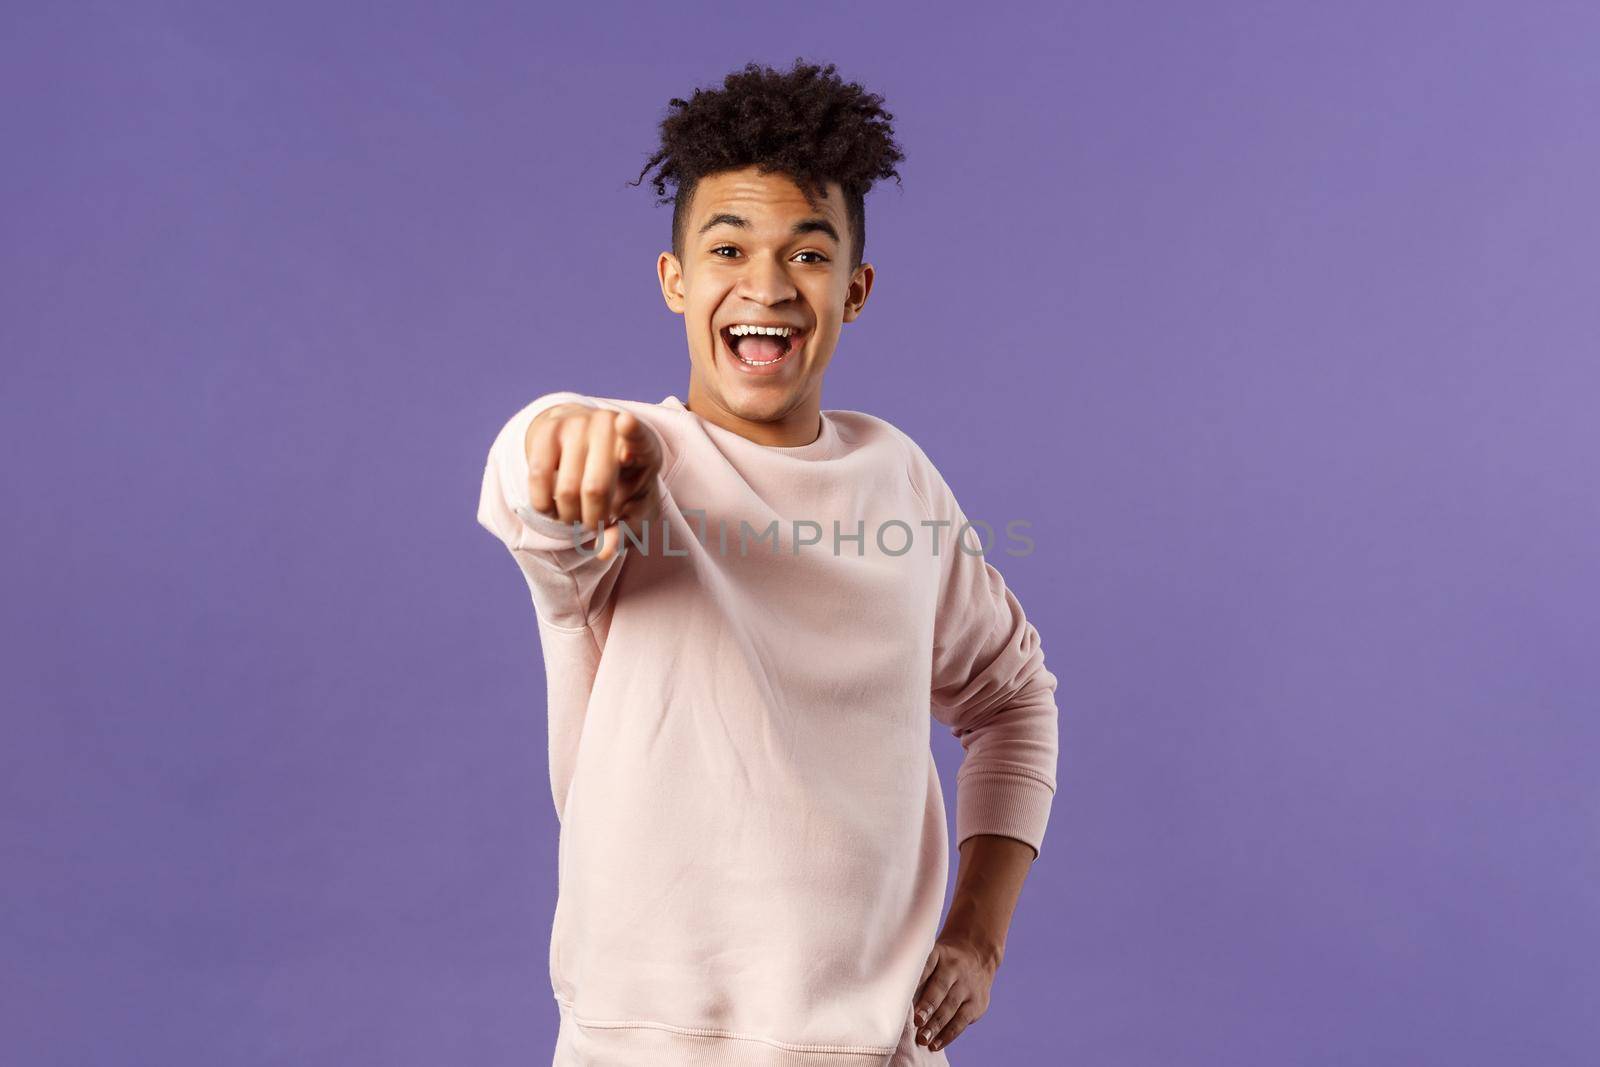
{"type": "Point", "coordinates": [766, 282]}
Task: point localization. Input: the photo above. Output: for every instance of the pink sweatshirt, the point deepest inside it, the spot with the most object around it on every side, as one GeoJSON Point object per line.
{"type": "Point", "coordinates": [753, 849]}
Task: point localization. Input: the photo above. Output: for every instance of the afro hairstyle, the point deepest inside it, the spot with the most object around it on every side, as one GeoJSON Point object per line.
{"type": "Point", "coordinates": [806, 123]}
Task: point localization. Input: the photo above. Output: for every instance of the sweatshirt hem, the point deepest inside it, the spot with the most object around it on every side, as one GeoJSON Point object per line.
{"type": "Point", "coordinates": [628, 1041]}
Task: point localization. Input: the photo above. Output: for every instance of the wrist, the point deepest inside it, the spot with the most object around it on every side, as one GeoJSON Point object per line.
{"type": "Point", "coordinates": [982, 937]}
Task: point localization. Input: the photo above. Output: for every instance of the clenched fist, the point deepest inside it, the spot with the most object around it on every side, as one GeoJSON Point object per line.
{"type": "Point", "coordinates": [594, 466]}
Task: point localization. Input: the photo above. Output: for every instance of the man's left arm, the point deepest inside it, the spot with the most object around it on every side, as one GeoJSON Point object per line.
{"type": "Point", "coordinates": [991, 688]}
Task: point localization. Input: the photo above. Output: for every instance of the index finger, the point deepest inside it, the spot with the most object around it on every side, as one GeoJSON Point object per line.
{"type": "Point", "coordinates": [635, 438]}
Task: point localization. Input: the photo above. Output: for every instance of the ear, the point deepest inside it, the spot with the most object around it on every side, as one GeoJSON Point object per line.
{"type": "Point", "coordinates": [855, 297]}
{"type": "Point", "coordinates": [670, 272]}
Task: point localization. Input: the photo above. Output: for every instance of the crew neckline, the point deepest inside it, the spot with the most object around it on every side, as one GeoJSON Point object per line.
{"type": "Point", "coordinates": [820, 448]}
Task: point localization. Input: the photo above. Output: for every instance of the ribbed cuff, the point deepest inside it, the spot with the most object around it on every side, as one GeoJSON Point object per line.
{"type": "Point", "coordinates": [1004, 803]}
{"type": "Point", "coordinates": [555, 529]}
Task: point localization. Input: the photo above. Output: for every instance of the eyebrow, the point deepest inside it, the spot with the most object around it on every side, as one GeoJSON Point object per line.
{"type": "Point", "coordinates": [804, 226]}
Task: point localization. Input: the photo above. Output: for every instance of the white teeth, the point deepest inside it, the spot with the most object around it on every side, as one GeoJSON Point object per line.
{"type": "Point", "coordinates": [775, 331]}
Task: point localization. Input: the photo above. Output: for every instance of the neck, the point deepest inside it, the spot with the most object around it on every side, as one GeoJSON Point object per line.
{"type": "Point", "coordinates": [799, 426]}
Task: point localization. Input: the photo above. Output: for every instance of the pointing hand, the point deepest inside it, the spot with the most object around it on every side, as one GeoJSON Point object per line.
{"type": "Point", "coordinates": [594, 466]}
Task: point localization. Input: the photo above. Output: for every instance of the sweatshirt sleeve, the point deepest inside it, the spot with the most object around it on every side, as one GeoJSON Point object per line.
{"type": "Point", "coordinates": [990, 685]}
{"type": "Point", "coordinates": [569, 585]}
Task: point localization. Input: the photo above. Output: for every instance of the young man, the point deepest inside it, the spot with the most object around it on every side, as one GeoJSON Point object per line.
{"type": "Point", "coordinates": [748, 609]}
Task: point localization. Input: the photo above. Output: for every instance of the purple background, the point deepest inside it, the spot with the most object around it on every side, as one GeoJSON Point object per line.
{"type": "Point", "coordinates": [1279, 322]}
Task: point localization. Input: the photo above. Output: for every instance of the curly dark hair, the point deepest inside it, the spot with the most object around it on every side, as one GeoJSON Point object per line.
{"type": "Point", "coordinates": [805, 122]}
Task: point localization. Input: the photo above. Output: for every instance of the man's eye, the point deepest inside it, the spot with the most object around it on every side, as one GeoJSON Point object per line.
{"type": "Point", "coordinates": [732, 251]}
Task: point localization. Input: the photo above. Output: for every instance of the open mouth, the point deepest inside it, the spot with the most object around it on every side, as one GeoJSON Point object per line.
{"type": "Point", "coordinates": [760, 350]}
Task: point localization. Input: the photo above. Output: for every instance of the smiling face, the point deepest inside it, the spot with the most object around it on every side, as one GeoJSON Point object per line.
{"type": "Point", "coordinates": [758, 253]}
